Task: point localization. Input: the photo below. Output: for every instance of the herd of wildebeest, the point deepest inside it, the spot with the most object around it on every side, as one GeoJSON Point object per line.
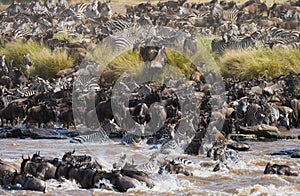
{"type": "Point", "coordinates": [260, 107]}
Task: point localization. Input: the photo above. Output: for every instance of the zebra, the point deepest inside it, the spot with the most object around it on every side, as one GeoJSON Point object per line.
{"type": "Point", "coordinates": [231, 14]}
{"type": "Point", "coordinates": [110, 127]}
{"type": "Point", "coordinates": [171, 145]}
{"type": "Point", "coordinates": [14, 9]}
{"type": "Point", "coordinates": [121, 43]}
{"type": "Point", "coordinates": [105, 9]}
{"type": "Point", "coordinates": [118, 25]}
{"type": "Point", "coordinates": [235, 43]}
{"type": "Point", "coordinates": [149, 167]}
{"type": "Point", "coordinates": [272, 114]}
{"type": "Point", "coordinates": [218, 46]}
{"type": "Point", "coordinates": [130, 138]}
{"type": "Point", "coordinates": [22, 93]}
{"type": "Point", "coordinates": [62, 4]}
{"type": "Point", "coordinates": [99, 137]}
{"type": "Point", "coordinates": [254, 115]}
{"type": "Point", "coordinates": [92, 9]}
{"type": "Point", "coordinates": [226, 15]}
{"type": "Point", "coordinates": [285, 116]}
{"type": "Point", "coordinates": [3, 67]}
{"type": "Point", "coordinates": [79, 7]}
{"type": "Point", "coordinates": [153, 165]}
{"type": "Point", "coordinates": [240, 113]}
{"type": "Point", "coordinates": [225, 157]}
{"type": "Point", "coordinates": [20, 34]}
{"type": "Point", "coordinates": [40, 85]}
{"type": "Point", "coordinates": [183, 161]}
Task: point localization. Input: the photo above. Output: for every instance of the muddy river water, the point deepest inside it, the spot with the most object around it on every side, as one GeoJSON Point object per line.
{"type": "Point", "coordinates": [244, 178]}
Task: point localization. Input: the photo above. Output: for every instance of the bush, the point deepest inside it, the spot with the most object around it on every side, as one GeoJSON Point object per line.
{"type": "Point", "coordinates": [45, 62]}
{"type": "Point", "coordinates": [64, 35]}
{"type": "Point", "coordinates": [113, 65]}
{"type": "Point", "coordinates": [261, 62]}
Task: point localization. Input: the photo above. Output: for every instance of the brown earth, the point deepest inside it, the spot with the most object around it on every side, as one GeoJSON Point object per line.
{"type": "Point", "coordinates": [119, 6]}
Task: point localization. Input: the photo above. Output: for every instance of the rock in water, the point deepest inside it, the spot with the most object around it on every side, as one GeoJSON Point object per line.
{"type": "Point", "coordinates": [296, 155]}
{"type": "Point", "coordinates": [239, 146]}
{"type": "Point", "coordinates": [266, 131]}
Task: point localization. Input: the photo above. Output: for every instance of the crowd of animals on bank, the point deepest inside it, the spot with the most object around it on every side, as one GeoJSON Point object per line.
{"type": "Point", "coordinates": [249, 24]}
{"type": "Point", "coordinates": [266, 104]}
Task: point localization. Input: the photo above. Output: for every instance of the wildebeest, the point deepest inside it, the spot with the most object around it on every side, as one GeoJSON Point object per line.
{"type": "Point", "coordinates": [66, 118]}
{"type": "Point", "coordinates": [104, 111]}
{"type": "Point", "coordinates": [30, 182]}
{"type": "Point", "coordinates": [174, 168]}
{"type": "Point", "coordinates": [12, 112]}
{"type": "Point", "coordinates": [279, 169]}
{"type": "Point", "coordinates": [6, 81]}
{"type": "Point", "coordinates": [40, 114]}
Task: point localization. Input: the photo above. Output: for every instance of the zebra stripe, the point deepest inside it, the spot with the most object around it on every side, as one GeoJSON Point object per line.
{"type": "Point", "coordinates": [183, 161]}
{"type": "Point", "coordinates": [79, 7]}
{"type": "Point", "coordinates": [19, 33]}
{"type": "Point", "coordinates": [272, 113]}
{"type": "Point", "coordinates": [3, 67]}
{"type": "Point", "coordinates": [130, 138]}
{"type": "Point", "coordinates": [123, 43]}
{"type": "Point", "coordinates": [227, 15]}
{"type": "Point", "coordinates": [22, 93]}
{"type": "Point", "coordinates": [111, 127]}
{"type": "Point", "coordinates": [99, 137]}
{"type": "Point", "coordinates": [170, 146]}
{"type": "Point", "coordinates": [240, 43]}
{"type": "Point", "coordinates": [231, 14]}
{"type": "Point", "coordinates": [149, 167]}
{"type": "Point", "coordinates": [254, 115]}
{"type": "Point", "coordinates": [120, 25]}
{"type": "Point", "coordinates": [218, 46]}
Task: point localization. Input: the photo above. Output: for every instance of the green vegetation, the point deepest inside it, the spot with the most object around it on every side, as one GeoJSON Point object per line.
{"type": "Point", "coordinates": [296, 90]}
{"type": "Point", "coordinates": [241, 64]}
{"type": "Point", "coordinates": [261, 62]}
{"type": "Point", "coordinates": [179, 61]}
{"type": "Point", "coordinates": [64, 35]}
{"type": "Point", "coordinates": [127, 62]}
{"type": "Point", "coordinates": [113, 65]}
{"type": "Point", "coordinates": [45, 62]}
{"type": "Point", "coordinates": [48, 63]}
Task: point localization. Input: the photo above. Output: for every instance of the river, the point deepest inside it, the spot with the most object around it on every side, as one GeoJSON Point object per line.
{"type": "Point", "coordinates": [244, 178]}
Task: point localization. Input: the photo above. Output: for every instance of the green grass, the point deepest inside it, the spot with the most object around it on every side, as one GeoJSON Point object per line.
{"type": "Point", "coordinates": [261, 62]}
{"type": "Point", "coordinates": [63, 35]}
{"type": "Point", "coordinates": [113, 65]}
{"type": "Point", "coordinates": [46, 63]}
{"type": "Point", "coordinates": [296, 90]}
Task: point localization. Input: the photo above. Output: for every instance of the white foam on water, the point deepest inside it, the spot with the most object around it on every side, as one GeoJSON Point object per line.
{"type": "Point", "coordinates": [53, 185]}
{"type": "Point", "coordinates": [269, 190]}
{"type": "Point", "coordinates": [165, 184]}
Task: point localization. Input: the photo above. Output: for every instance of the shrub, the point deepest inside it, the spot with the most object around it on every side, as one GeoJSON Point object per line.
{"type": "Point", "coordinates": [261, 62]}
{"type": "Point", "coordinates": [48, 63]}
{"type": "Point", "coordinates": [45, 62]}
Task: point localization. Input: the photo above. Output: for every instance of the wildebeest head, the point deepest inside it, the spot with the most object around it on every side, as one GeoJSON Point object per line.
{"type": "Point", "coordinates": [154, 54]}
{"type": "Point", "coordinates": [24, 161]}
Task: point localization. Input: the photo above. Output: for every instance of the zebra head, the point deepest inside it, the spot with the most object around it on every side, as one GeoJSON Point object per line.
{"type": "Point", "coordinates": [105, 9]}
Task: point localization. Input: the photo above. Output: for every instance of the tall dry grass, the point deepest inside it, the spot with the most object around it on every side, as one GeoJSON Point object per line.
{"type": "Point", "coordinates": [45, 62]}
{"type": "Point", "coordinates": [261, 62]}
